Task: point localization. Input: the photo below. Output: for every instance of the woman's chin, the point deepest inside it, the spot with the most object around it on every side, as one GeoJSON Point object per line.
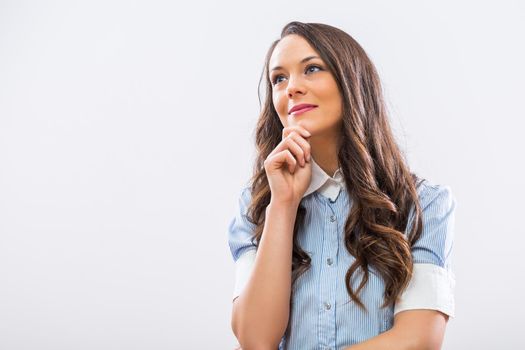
{"type": "Point", "coordinates": [305, 123]}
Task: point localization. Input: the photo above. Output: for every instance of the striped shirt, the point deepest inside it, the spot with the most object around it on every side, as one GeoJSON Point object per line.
{"type": "Point", "coordinates": [322, 315]}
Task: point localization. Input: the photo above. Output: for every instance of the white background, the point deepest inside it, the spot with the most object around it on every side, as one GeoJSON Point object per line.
{"type": "Point", "coordinates": [126, 133]}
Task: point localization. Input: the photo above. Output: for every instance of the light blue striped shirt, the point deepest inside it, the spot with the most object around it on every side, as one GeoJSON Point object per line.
{"type": "Point", "coordinates": [322, 315]}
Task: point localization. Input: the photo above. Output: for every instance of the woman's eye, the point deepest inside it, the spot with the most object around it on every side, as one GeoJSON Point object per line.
{"type": "Point", "coordinates": [275, 80]}
{"type": "Point", "coordinates": [307, 68]}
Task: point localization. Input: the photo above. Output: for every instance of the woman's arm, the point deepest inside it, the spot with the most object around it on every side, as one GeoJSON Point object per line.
{"type": "Point", "coordinates": [261, 312]}
{"type": "Point", "coordinates": [412, 330]}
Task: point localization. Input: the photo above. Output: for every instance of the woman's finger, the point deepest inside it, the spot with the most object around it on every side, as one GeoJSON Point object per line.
{"type": "Point", "coordinates": [289, 143]}
{"type": "Point", "coordinates": [305, 145]}
{"type": "Point", "coordinates": [297, 128]}
{"type": "Point", "coordinates": [281, 160]}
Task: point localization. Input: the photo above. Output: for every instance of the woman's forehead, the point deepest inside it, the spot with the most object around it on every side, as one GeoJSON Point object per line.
{"type": "Point", "coordinates": [292, 49]}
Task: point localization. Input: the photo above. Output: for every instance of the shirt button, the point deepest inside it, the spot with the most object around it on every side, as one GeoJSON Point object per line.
{"type": "Point", "coordinates": [327, 306]}
{"type": "Point", "coordinates": [332, 218]}
{"type": "Point", "coordinates": [329, 261]}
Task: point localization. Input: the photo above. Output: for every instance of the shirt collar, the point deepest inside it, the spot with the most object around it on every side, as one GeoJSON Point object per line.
{"type": "Point", "coordinates": [325, 184]}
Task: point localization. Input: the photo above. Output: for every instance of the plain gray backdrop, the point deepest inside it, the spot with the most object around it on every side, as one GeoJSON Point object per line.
{"type": "Point", "coordinates": [126, 134]}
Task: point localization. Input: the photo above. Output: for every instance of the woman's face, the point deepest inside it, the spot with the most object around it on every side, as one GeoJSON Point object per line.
{"type": "Point", "coordinates": [302, 79]}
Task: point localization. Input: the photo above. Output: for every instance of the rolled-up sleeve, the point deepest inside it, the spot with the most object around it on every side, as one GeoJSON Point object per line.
{"type": "Point", "coordinates": [433, 281]}
{"type": "Point", "coordinates": [240, 234]}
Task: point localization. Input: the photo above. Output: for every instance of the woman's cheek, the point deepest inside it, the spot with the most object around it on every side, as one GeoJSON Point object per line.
{"type": "Point", "coordinates": [280, 108]}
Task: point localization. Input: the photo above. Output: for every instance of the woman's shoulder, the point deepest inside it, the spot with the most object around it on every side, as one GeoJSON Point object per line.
{"type": "Point", "coordinates": [246, 192]}
{"type": "Point", "coordinates": [437, 193]}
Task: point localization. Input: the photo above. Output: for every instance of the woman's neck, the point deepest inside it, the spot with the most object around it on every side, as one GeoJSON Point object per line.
{"type": "Point", "coordinates": [324, 151]}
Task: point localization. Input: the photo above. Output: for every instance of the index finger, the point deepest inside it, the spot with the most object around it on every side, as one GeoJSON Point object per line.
{"type": "Point", "coordinates": [297, 128]}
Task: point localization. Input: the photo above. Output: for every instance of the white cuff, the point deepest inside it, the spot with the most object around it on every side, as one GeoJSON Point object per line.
{"type": "Point", "coordinates": [431, 287]}
{"type": "Point", "coordinates": [243, 270]}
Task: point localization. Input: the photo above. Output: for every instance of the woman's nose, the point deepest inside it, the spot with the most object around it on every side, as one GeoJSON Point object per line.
{"type": "Point", "coordinates": [294, 86]}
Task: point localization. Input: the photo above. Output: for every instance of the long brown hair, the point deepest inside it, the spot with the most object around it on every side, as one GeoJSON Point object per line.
{"type": "Point", "coordinates": [376, 174]}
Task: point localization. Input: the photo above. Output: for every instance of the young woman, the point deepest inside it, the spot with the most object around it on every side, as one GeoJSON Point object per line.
{"type": "Point", "coordinates": [337, 245]}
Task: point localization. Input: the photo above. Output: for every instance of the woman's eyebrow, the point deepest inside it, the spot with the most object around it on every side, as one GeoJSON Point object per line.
{"type": "Point", "coordinates": [302, 61]}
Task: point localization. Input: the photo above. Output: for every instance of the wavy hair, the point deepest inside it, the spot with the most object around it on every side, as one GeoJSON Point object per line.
{"type": "Point", "coordinates": [376, 174]}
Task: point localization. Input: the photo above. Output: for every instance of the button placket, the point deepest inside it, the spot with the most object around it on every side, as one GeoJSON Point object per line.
{"type": "Point", "coordinates": [328, 274]}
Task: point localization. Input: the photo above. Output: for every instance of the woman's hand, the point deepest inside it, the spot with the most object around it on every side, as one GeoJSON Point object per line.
{"type": "Point", "coordinates": [288, 166]}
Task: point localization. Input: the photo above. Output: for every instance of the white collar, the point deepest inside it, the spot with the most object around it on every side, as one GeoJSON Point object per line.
{"type": "Point", "coordinates": [325, 184]}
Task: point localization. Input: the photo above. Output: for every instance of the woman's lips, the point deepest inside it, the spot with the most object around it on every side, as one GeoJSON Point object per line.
{"type": "Point", "coordinates": [303, 110]}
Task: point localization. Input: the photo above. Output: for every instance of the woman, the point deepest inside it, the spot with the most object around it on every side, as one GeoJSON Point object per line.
{"type": "Point", "coordinates": [337, 245]}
